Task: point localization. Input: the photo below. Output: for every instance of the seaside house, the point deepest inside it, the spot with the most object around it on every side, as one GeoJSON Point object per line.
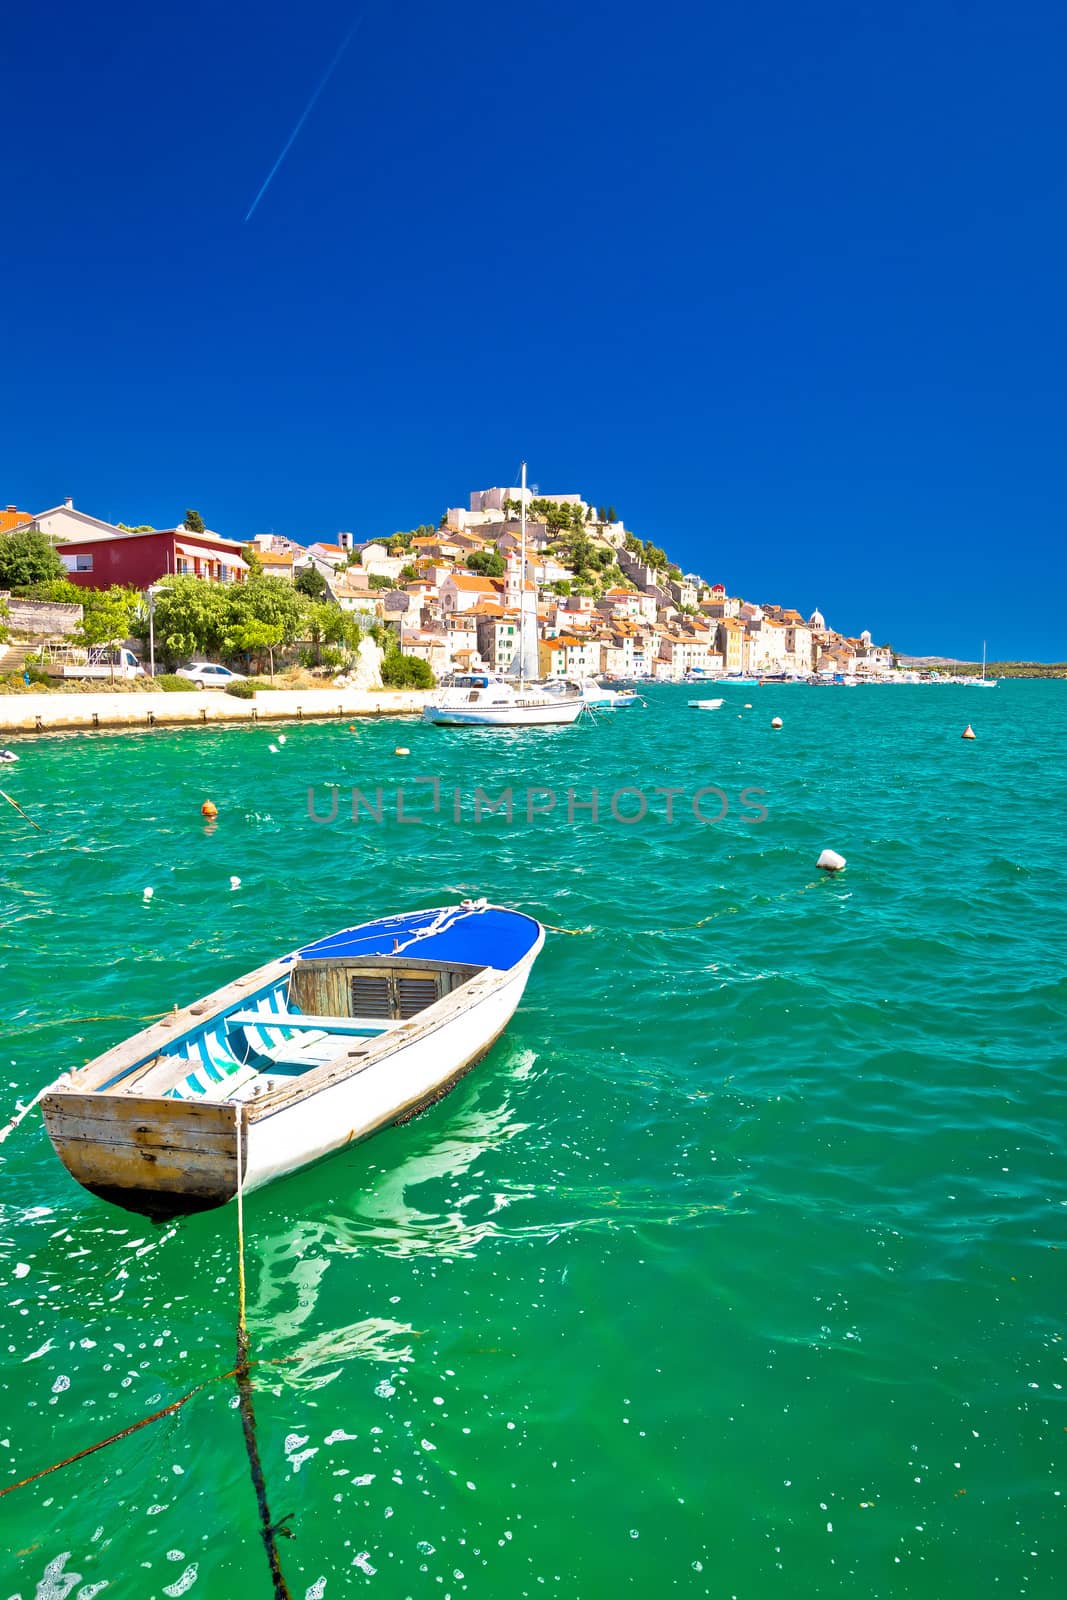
{"type": "Point", "coordinates": [509, 537]}
{"type": "Point", "coordinates": [12, 518]}
{"type": "Point", "coordinates": [327, 558]}
{"type": "Point", "coordinates": [462, 591]}
{"type": "Point", "coordinates": [63, 524]}
{"type": "Point", "coordinates": [498, 634]}
{"type": "Point", "coordinates": [378, 563]}
{"type": "Point", "coordinates": [467, 542]}
{"type": "Point", "coordinates": [100, 558]}
{"type": "Point", "coordinates": [568, 656]}
{"type": "Point", "coordinates": [275, 563]}
{"type": "Point", "coordinates": [351, 591]}
{"type": "Point", "coordinates": [462, 631]}
{"type": "Point", "coordinates": [684, 593]}
{"type": "Point", "coordinates": [732, 641]}
{"type": "Point", "coordinates": [625, 603]}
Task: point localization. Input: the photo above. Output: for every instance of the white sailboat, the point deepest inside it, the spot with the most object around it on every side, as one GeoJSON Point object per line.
{"type": "Point", "coordinates": [488, 700]}
{"type": "Point", "coordinates": [983, 682]}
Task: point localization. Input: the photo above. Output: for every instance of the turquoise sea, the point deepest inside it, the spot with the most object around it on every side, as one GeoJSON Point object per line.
{"type": "Point", "coordinates": [739, 1267]}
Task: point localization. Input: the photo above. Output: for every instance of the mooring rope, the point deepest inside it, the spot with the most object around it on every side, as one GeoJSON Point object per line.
{"type": "Point", "coordinates": [5, 796]}
{"type": "Point", "coordinates": [269, 1530]}
{"type": "Point", "coordinates": [688, 927]}
{"type": "Point", "coordinates": [24, 1111]}
{"type": "Point", "coordinates": [76, 1022]}
{"type": "Point", "coordinates": [123, 1433]}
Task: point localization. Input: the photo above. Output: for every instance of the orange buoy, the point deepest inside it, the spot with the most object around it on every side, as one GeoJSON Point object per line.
{"type": "Point", "coordinates": [209, 809]}
{"type": "Point", "coordinates": [968, 732]}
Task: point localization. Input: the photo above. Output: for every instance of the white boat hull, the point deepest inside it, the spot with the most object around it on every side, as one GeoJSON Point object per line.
{"type": "Point", "coordinates": [519, 714]}
{"type": "Point", "coordinates": [284, 1140]}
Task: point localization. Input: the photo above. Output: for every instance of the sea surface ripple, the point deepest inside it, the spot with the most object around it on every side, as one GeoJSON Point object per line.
{"type": "Point", "coordinates": [736, 1269]}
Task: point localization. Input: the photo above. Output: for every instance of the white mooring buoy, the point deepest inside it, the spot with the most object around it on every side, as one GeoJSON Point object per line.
{"type": "Point", "coordinates": [776, 722]}
{"type": "Point", "coordinates": [235, 883]}
{"type": "Point", "coordinates": [830, 861]}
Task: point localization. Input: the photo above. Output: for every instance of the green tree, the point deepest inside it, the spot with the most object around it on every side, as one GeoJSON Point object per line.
{"type": "Point", "coordinates": [488, 563]}
{"type": "Point", "coordinates": [272, 600]}
{"type": "Point", "coordinates": [4, 613]}
{"type": "Point", "coordinates": [601, 514]}
{"type": "Point", "coordinates": [255, 637]}
{"type": "Point", "coordinates": [194, 522]}
{"type": "Point", "coordinates": [250, 556]}
{"type": "Point", "coordinates": [27, 556]}
{"type": "Point", "coordinates": [406, 672]}
{"type": "Point", "coordinates": [408, 574]}
{"type": "Point", "coordinates": [192, 617]}
{"type": "Point", "coordinates": [310, 581]}
{"type": "Point", "coordinates": [135, 527]}
{"type": "Point", "coordinates": [108, 618]}
{"type": "Point", "coordinates": [611, 517]}
{"type": "Point", "coordinates": [376, 581]}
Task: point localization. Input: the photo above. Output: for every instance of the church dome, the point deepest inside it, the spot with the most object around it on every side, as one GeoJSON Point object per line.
{"type": "Point", "coordinates": [817, 622]}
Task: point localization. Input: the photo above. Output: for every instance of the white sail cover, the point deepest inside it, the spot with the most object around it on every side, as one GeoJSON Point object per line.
{"type": "Point", "coordinates": [524, 662]}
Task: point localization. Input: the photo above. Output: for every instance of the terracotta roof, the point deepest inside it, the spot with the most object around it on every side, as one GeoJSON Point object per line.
{"type": "Point", "coordinates": [272, 558]}
{"type": "Point", "coordinates": [472, 583]}
{"type": "Point", "coordinates": [12, 517]}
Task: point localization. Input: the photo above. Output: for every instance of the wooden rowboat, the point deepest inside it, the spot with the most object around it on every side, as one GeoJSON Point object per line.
{"type": "Point", "coordinates": [294, 1060]}
{"type": "Point", "coordinates": [704, 705]}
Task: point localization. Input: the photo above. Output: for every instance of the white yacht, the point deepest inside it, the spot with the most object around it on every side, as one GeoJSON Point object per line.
{"type": "Point", "coordinates": [487, 700]}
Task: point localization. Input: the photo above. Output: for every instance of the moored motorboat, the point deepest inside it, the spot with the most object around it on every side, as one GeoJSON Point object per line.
{"type": "Point", "coordinates": [704, 705]}
{"type": "Point", "coordinates": [294, 1060]}
{"type": "Point", "coordinates": [485, 700]}
{"type": "Point", "coordinates": [596, 695]}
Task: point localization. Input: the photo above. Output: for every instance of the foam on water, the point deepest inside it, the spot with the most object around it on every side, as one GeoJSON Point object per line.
{"type": "Point", "coordinates": [735, 1269]}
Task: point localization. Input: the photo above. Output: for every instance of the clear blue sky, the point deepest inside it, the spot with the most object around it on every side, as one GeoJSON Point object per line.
{"type": "Point", "coordinates": [784, 283]}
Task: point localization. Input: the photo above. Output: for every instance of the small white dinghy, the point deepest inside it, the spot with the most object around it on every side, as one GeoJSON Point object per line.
{"type": "Point", "coordinates": [295, 1060]}
{"type": "Point", "coordinates": [705, 705]}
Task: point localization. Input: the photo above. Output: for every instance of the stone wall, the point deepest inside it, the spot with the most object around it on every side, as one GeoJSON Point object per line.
{"type": "Point", "coordinates": [40, 619]}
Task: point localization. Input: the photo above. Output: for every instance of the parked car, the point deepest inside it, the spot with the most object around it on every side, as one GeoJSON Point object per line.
{"type": "Point", "coordinates": [209, 675]}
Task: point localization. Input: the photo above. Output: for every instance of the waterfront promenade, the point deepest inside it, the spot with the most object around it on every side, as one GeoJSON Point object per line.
{"type": "Point", "coordinates": [42, 713]}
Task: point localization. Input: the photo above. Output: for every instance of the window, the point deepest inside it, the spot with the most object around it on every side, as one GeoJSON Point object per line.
{"type": "Point", "coordinates": [77, 563]}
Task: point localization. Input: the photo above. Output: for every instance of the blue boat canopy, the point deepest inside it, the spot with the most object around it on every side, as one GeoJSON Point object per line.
{"type": "Point", "coordinates": [473, 933]}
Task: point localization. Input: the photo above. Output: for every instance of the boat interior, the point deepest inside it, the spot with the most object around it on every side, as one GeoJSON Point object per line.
{"type": "Point", "coordinates": [319, 1010]}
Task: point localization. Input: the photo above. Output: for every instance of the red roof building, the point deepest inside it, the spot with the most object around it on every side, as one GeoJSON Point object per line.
{"type": "Point", "coordinates": [136, 560]}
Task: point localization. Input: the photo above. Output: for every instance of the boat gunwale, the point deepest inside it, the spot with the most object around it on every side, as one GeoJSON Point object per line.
{"type": "Point", "coordinates": [131, 1053]}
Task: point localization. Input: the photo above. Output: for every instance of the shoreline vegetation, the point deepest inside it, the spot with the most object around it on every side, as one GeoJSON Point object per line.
{"type": "Point", "coordinates": [1011, 669]}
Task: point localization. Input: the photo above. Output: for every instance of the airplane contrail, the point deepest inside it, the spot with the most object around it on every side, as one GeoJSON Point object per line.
{"type": "Point", "coordinates": [323, 81]}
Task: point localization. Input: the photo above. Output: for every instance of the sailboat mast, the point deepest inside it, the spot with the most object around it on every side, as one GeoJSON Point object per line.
{"type": "Point", "coordinates": [522, 579]}
{"type": "Point", "coordinates": [983, 659]}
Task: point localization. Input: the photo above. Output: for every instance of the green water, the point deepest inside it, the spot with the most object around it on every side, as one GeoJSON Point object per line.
{"type": "Point", "coordinates": [736, 1269]}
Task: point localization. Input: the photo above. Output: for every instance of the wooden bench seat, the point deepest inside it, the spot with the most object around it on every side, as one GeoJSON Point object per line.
{"type": "Point", "coordinates": [299, 1021]}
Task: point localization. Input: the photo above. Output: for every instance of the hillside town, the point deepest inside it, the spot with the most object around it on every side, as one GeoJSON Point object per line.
{"type": "Point", "coordinates": [608, 603]}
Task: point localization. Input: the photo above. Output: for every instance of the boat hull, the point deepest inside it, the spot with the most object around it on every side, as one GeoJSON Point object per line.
{"type": "Point", "coordinates": [165, 1157]}
{"type": "Point", "coordinates": [534, 714]}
